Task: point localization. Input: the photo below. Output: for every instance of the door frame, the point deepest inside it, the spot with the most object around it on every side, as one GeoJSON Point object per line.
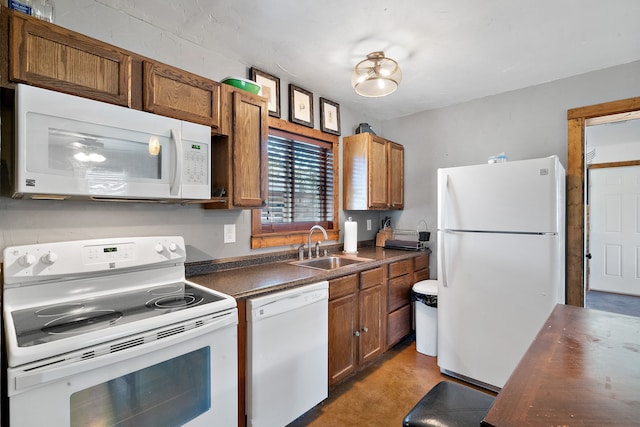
{"type": "Point", "coordinates": [575, 238]}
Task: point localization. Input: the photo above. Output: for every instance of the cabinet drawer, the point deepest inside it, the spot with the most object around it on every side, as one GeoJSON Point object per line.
{"type": "Point", "coordinates": [55, 58]}
{"type": "Point", "coordinates": [421, 275]}
{"type": "Point", "coordinates": [421, 262]}
{"type": "Point", "coordinates": [371, 278]}
{"type": "Point", "coordinates": [343, 286]}
{"type": "Point", "coordinates": [398, 325]}
{"type": "Point", "coordinates": [401, 267]}
{"type": "Point", "coordinates": [399, 292]}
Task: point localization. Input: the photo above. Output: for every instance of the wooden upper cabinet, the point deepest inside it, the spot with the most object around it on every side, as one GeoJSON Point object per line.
{"type": "Point", "coordinates": [52, 57]}
{"type": "Point", "coordinates": [249, 138]}
{"type": "Point", "coordinates": [239, 156]}
{"type": "Point", "coordinates": [179, 94]}
{"type": "Point", "coordinates": [378, 165]}
{"type": "Point", "coordinates": [396, 175]}
{"type": "Point", "coordinates": [373, 173]}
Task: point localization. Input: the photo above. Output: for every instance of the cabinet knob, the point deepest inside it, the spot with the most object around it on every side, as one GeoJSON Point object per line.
{"type": "Point", "coordinates": [356, 333]}
{"type": "Point", "coordinates": [365, 329]}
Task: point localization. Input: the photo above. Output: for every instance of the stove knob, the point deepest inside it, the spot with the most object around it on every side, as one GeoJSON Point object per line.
{"type": "Point", "coordinates": [159, 248]}
{"type": "Point", "coordinates": [26, 260]}
{"type": "Point", "coordinates": [49, 258]}
{"type": "Point", "coordinates": [173, 247]}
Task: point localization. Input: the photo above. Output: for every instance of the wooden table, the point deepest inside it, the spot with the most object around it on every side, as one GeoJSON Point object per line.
{"type": "Point", "coordinates": [583, 369]}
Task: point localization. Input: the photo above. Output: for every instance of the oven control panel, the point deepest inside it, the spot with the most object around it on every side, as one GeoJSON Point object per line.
{"type": "Point", "coordinates": [65, 259]}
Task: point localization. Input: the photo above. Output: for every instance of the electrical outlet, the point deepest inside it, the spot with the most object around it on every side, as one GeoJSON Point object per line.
{"type": "Point", "coordinates": [368, 225]}
{"type": "Point", "coordinates": [229, 233]}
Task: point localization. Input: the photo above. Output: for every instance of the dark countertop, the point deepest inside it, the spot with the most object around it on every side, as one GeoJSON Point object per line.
{"type": "Point", "coordinates": [581, 370]}
{"type": "Point", "coordinates": [246, 282]}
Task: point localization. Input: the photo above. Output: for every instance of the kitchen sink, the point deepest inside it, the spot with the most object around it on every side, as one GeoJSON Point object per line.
{"type": "Point", "coordinates": [330, 262]}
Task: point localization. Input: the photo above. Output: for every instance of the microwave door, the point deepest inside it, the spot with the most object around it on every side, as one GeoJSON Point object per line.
{"type": "Point", "coordinates": [64, 156]}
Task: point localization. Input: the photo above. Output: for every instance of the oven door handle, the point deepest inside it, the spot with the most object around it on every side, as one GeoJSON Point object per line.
{"type": "Point", "coordinates": [52, 372]}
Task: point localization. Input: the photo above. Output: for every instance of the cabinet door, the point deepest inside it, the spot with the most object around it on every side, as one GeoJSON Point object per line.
{"type": "Point", "coordinates": [396, 176]}
{"type": "Point", "coordinates": [371, 321]}
{"type": "Point", "coordinates": [249, 138]}
{"type": "Point", "coordinates": [52, 57]}
{"type": "Point", "coordinates": [378, 185]}
{"type": "Point", "coordinates": [176, 93]}
{"type": "Point", "coordinates": [342, 341]}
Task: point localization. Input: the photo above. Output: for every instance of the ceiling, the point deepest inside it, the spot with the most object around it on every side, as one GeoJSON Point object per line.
{"type": "Point", "coordinates": [450, 51]}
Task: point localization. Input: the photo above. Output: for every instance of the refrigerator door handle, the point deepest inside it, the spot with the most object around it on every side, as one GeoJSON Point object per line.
{"type": "Point", "coordinates": [443, 211]}
{"type": "Point", "coordinates": [443, 264]}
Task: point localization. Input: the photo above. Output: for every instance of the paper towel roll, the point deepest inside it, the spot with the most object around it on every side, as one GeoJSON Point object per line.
{"type": "Point", "coordinates": [350, 236]}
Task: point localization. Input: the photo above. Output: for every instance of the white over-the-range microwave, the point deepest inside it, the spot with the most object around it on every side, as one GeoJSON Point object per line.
{"type": "Point", "coordinates": [68, 147]}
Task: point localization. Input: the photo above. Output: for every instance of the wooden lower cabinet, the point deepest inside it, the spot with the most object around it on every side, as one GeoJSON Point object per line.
{"type": "Point", "coordinates": [356, 322]}
{"type": "Point", "coordinates": [402, 276]}
{"type": "Point", "coordinates": [372, 324]}
{"type": "Point", "coordinates": [421, 268]}
{"type": "Point", "coordinates": [342, 343]}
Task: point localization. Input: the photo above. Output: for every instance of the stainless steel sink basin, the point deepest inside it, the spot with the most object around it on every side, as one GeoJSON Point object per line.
{"type": "Point", "coordinates": [330, 262]}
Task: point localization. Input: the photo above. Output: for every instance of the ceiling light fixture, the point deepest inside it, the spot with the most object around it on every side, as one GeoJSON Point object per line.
{"type": "Point", "coordinates": [376, 76]}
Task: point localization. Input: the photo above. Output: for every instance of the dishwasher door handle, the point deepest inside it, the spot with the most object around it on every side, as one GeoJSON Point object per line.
{"type": "Point", "coordinates": [273, 305]}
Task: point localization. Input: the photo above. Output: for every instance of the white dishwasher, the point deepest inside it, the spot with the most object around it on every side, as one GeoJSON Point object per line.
{"type": "Point", "coordinates": [287, 354]}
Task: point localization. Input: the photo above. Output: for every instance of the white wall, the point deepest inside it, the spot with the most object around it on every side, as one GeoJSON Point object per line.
{"type": "Point", "coordinates": [27, 221]}
{"type": "Point", "coordinates": [526, 123]}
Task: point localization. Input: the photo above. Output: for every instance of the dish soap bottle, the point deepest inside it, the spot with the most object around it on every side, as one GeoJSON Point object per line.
{"type": "Point", "coordinates": [42, 9]}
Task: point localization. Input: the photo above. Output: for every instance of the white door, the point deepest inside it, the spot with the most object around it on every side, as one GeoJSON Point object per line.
{"type": "Point", "coordinates": [494, 293]}
{"type": "Point", "coordinates": [520, 196]}
{"type": "Point", "coordinates": [615, 230]}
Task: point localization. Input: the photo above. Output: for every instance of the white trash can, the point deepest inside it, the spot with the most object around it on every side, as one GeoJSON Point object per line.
{"type": "Point", "coordinates": [425, 297]}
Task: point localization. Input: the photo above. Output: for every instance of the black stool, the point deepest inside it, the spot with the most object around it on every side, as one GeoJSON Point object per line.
{"type": "Point", "coordinates": [449, 404]}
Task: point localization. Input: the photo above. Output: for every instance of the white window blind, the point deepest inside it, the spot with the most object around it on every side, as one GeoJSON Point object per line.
{"type": "Point", "coordinates": [300, 182]}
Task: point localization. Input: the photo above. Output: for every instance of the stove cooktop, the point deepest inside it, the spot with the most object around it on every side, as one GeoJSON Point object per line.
{"type": "Point", "coordinates": [38, 325]}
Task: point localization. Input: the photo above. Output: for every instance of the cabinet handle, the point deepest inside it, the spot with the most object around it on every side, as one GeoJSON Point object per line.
{"type": "Point", "coordinates": [356, 333]}
{"type": "Point", "coordinates": [365, 329]}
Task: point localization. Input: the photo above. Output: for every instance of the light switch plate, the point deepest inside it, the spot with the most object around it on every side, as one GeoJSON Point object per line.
{"type": "Point", "coordinates": [368, 225]}
{"type": "Point", "coordinates": [229, 233]}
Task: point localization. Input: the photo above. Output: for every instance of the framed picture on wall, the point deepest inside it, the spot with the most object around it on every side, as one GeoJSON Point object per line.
{"type": "Point", "coordinates": [300, 106]}
{"type": "Point", "coordinates": [271, 82]}
{"type": "Point", "coordinates": [329, 116]}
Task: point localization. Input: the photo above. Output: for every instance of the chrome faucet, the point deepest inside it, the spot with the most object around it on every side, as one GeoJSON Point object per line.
{"type": "Point", "coordinates": [324, 232]}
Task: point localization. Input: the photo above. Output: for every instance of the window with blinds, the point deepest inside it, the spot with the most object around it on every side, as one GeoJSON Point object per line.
{"type": "Point", "coordinates": [301, 180]}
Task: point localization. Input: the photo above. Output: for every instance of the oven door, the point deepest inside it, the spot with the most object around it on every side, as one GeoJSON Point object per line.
{"type": "Point", "coordinates": [186, 375]}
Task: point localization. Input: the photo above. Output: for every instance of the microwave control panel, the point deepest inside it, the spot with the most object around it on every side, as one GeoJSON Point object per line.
{"type": "Point", "coordinates": [195, 164]}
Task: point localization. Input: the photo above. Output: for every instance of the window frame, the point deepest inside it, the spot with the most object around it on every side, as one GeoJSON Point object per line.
{"type": "Point", "coordinates": [298, 233]}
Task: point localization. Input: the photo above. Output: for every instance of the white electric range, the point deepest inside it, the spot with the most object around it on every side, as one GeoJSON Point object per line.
{"type": "Point", "coordinates": [109, 332]}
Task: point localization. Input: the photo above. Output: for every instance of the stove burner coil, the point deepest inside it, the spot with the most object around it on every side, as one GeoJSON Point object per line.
{"type": "Point", "coordinates": [59, 309]}
{"type": "Point", "coordinates": [82, 322]}
{"type": "Point", "coordinates": [167, 289]}
{"type": "Point", "coordinates": [174, 301]}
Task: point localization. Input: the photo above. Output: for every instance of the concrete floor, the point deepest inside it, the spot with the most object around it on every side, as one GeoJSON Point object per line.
{"type": "Point", "coordinates": [380, 395]}
{"type": "Point", "coordinates": [615, 303]}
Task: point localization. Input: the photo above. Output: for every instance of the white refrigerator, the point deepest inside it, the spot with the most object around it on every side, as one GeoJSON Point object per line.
{"type": "Point", "coordinates": [501, 266]}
